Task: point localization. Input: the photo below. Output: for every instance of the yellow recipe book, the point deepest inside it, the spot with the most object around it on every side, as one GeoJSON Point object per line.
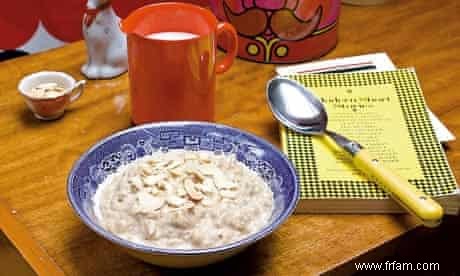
{"type": "Point", "coordinates": [386, 113]}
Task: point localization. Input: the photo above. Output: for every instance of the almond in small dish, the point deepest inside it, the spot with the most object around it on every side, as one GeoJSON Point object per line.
{"type": "Point", "coordinates": [47, 90]}
{"type": "Point", "coordinates": [48, 93]}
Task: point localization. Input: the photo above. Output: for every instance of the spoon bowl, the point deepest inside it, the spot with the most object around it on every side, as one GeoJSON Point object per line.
{"type": "Point", "coordinates": [294, 108]}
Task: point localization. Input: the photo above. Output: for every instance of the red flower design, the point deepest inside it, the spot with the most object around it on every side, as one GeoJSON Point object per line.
{"type": "Point", "coordinates": [18, 21]}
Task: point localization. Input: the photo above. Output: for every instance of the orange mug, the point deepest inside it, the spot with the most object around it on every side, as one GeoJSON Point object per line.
{"type": "Point", "coordinates": [172, 61]}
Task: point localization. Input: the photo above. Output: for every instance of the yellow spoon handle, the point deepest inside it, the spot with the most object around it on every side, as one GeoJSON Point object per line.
{"type": "Point", "coordinates": [414, 200]}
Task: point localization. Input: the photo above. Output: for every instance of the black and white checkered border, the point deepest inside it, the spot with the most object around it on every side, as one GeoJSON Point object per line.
{"type": "Point", "coordinates": [438, 179]}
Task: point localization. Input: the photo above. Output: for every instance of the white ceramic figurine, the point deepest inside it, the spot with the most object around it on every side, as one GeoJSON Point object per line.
{"type": "Point", "coordinates": [105, 43]}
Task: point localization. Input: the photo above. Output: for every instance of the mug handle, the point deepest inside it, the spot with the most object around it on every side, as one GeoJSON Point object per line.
{"type": "Point", "coordinates": [224, 64]}
{"type": "Point", "coordinates": [77, 90]}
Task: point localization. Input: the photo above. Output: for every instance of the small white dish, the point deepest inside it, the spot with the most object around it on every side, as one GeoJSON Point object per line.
{"type": "Point", "coordinates": [50, 108]}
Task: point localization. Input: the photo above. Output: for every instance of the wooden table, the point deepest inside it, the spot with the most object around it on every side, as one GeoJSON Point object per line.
{"type": "Point", "coordinates": [36, 156]}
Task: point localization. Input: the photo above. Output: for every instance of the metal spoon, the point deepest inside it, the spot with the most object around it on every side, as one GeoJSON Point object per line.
{"type": "Point", "coordinates": [298, 109]}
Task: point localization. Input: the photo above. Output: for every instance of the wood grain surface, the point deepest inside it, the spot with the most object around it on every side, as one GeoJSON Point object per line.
{"type": "Point", "coordinates": [37, 156]}
{"type": "Point", "coordinates": [18, 234]}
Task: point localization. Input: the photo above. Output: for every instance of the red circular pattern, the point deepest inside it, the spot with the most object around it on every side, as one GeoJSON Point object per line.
{"type": "Point", "coordinates": [62, 18]}
{"type": "Point", "coordinates": [18, 21]}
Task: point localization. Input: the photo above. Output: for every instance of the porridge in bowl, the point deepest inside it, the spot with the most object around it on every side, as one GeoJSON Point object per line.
{"type": "Point", "coordinates": [183, 200]}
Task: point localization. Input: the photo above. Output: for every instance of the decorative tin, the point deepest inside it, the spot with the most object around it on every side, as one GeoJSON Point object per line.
{"type": "Point", "coordinates": [281, 31]}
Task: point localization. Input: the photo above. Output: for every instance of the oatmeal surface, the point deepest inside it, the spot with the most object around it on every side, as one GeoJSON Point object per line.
{"type": "Point", "coordinates": [183, 200]}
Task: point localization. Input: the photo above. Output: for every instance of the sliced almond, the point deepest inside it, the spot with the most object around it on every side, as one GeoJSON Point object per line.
{"type": "Point", "coordinates": [135, 183]}
{"type": "Point", "coordinates": [47, 85]}
{"type": "Point", "coordinates": [197, 174]}
{"type": "Point", "coordinates": [153, 179]}
{"type": "Point", "coordinates": [174, 164]}
{"type": "Point", "coordinates": [154, 191]}
{"type": "Point", "coordinates": [168, 187]}
{"type": "Point", "coordinates": [150, 229]}
{"type": "Point", "coordinates": [208, 201]}
{"type": "Point", "coordinates": [136, 180]}
{"type": "Point", "coordinates": [163, 185]}
{"type": "Point", "coordinates": [208, 187]}
{"type": "Point", "coordinates": [209, 169]}
{"type": "Point", "coordinates": [47, 90]}
{"type": "Point", "coordinates": [223, 182]}
{"type": "Point", "coordinates": [188, 205]}
{"type": "Point", "coordinates": [204, 157]}
{"type": "Point", "coordinates": [151, 160]}
{"type": "Point", "coordinates": [176, 171]}
{"type": "Point", "coordinates": [175, 201]}
{"type": "Point", "coordinates": [163, 163]}
{"type": "Point", "coordinates": [232, 194]}
{"type": "Point", "coordinates": [191, 191]}
{"type": "Point", "coordinates": [228, 185]}
{"type": "Point", "coordinates": [38, 89]}
{"type": "Point", "coordinates": [147, 203]}
{"type": "Point", "coordinates": [145, 169]}
{"type": "Point", "coordinates": [180, 191]}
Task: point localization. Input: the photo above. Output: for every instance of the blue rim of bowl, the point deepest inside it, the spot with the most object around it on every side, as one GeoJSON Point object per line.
{"type": "Point", "coordinates": [186, 252]}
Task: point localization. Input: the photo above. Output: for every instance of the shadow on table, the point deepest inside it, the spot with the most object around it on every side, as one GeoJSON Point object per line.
{"type": "Point", "coordinates": [92, 255]}
{"type": "Point", "coordinates": [433, 249]}
{"type": "Point", "coordinates": [28, 119]}
{"type": "Point", "coordinates": [11, 261]}
{"type": "Point", "coordinates": [247, 262]}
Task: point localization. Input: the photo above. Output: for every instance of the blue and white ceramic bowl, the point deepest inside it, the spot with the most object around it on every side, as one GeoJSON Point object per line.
{"type": "Point", "coordinates": [125, 146]}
